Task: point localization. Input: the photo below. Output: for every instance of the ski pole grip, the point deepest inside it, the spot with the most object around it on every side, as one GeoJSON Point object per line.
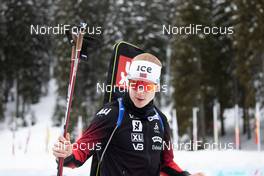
{"type": "Point", "coordinates": [79, 41]}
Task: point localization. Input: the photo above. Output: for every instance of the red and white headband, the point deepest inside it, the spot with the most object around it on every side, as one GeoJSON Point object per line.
{"type": "Point", "coordinates": [144, 70]}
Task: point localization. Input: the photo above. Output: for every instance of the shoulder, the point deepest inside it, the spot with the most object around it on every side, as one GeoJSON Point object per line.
{"type": "Point", "coordinates": [108, 110]}
{"type": "Point", "coordinates": [163, 118]}
{"type": "Point", "coordinates": [161, 114]}
{"type": "Point", "coordinates": [165, 124]}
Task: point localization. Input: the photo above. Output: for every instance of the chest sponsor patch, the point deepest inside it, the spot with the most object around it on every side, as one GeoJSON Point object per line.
{"type": "Point", "coordinates": [131, 116]}
{"type": "Point", "coordinates": [157, 139]}
{"type": "Point", "coordinates": [155, 117]}
{"type": "Point", "coordinates": [156, 147]}
{"type": "Point", "coordinates": [137, 126]}
{"type": "Point", "coordinates": [156, 128]}
{"type": "Point", "coordinates": [137, 137]}
{"type": "Point", "coordinates": [138, 146]}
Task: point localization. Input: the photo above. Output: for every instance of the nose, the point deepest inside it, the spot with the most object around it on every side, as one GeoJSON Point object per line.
{"type": "Point", "coordinates": [140, 92]}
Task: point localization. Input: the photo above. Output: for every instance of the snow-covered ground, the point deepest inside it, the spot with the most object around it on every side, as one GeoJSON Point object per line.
{"type": "Point", "coordinates": [38, 159]}
{"type": "Point", "coordinates": [223, 163]}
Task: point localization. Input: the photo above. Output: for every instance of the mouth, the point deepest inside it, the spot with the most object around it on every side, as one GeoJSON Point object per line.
{"type": "Point", "coordinates": [140, 99]}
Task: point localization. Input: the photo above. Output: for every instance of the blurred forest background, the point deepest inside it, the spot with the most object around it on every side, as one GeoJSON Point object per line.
{"type": "Point", "coordinates": [200, 69]}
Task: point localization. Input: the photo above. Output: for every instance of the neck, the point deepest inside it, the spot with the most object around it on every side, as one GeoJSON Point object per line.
{"type": "Point", "coordinates": [138, 112]}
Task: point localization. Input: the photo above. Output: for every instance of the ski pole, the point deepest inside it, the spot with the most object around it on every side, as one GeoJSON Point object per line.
{"type": "Point", "coordinates": [75, 57]}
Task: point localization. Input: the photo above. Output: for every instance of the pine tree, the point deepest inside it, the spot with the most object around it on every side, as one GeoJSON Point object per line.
{"type": "Point", "coordinates": [26, 57]}
{"type": "Point", "coordinates": [248, 42]}
{"type": "Point", "coordinates": [202, 64]}
{"type": "Point", "coordinates": [222, 79]}
{"type": "Point", "coordinates": [2, 58]}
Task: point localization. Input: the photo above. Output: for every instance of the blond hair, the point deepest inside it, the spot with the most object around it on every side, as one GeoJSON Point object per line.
{"type": "Point", "coordinates": [148, 57]}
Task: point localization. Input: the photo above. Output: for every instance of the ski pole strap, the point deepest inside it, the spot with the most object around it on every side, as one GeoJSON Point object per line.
{"type": "Point", "coordinates": [160, 119]}
{"type": "Point", "coordinates": [121, 112]}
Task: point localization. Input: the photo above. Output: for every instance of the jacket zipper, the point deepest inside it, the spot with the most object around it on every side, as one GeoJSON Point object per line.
{"type": "Point", "coordinates": [147, 144]}
{"type": "Point", "coordinates": [123, 172]}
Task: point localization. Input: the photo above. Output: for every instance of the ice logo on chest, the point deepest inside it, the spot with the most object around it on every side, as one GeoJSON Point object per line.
{"type": "Point", "coordinates": [137, 125]}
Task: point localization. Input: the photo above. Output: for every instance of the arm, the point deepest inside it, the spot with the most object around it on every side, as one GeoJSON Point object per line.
{"type": "Point", "coordinates": [94, 138]}
{"type": "Point", "coordinates": [168, 166]}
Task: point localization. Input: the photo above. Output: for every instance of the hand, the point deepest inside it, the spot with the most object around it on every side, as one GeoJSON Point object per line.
{"type": "Point", "coordinates": [63, 147]}
{"type": "Point", "coordinates": [198, 174]}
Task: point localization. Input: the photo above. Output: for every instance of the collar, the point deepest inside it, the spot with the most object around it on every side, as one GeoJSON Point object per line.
{"type": "Point", "coordinates": [138, 112]}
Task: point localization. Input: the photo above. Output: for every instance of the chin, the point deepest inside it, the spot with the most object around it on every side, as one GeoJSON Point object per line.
{"type": "Point", "coordinates": [140, 104]}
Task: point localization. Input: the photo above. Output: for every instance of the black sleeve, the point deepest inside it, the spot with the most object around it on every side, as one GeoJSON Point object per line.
{"type": "Point", "coordinates": [94, 137]}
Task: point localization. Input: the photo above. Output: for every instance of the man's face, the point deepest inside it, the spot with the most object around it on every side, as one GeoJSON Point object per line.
{"type": "Point", "coordinates": [141, 92]}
